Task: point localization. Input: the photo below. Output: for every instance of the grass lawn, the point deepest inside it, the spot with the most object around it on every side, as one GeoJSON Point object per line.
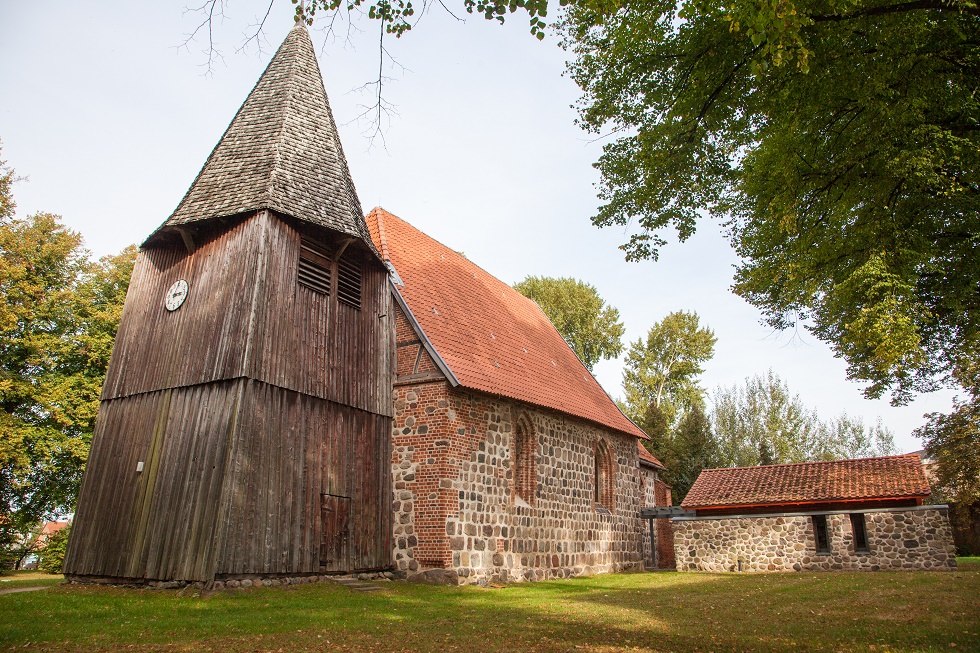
{"type": "Point", "coordinates": [885, 612]}
{"type": "Point", "coordinates": [968, 563]}
{"type": "Point", "coordinates": [28, 579]}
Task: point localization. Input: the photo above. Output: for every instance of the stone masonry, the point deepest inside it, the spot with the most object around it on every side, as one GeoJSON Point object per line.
{"type": "Point", "coordinates": [455, 504]}
{"type": "Point", "coordinates": [902, 538]}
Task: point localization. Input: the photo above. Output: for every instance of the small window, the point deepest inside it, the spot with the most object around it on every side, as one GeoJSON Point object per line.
{"type": "Point", "coordinates": [314, 267]}
{"type": "Point", "coordinates": [820, 534]}
{"type": "Point", "coordinates": [859, 529]}
{"type": "Point", "coordinates": [603, 487]}
{"type": "Point", "coordinates": [349, 282]}
{"type": "Point", "coordinates": [525, 465]}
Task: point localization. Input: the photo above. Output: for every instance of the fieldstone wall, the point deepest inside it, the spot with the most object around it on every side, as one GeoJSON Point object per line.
{"type": "Point", "coordinates": [648, 499]}
{"type": "Point", "coordinates": [454, 501]}
{"type": "Point", "coordinates": [904, 538]}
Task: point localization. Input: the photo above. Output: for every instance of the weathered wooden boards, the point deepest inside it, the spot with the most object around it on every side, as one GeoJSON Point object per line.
{"type": "Point", "coordinates": [242, 410]}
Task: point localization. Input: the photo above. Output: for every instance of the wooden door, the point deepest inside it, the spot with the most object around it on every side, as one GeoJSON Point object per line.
{"type": "Point", "coordinates": [335, 542]}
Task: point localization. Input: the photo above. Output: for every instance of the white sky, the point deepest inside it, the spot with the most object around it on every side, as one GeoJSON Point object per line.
{"type": "Point", "coordinates": [110, 121]}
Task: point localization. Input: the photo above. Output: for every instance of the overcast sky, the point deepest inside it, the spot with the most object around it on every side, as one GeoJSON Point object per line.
{"type": "Point", "coordinates": [109, 120]}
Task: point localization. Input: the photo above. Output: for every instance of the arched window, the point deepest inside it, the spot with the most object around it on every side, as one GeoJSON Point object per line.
{"type": "Point", "coordinates": [604, 482]}
{"type": "Point", "coordinates": [525, 461]}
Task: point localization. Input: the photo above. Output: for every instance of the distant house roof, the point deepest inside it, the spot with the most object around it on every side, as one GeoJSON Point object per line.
{"type": "Point", "coordinates": [492, 338]}
{"type": "Point", "coordinates": [50, 528]}
{"type": "Point", "coordinates": [889, 477]}
{"type": "Point", "coordinates": [280, 152]}
{"type": "Point", "coordinates": [647, 457]}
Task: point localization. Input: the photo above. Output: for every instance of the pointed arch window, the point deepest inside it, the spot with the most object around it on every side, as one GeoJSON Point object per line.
{"type": "Point", "coordinates": [525, 461]}
{"type": "Point", "coordinates": [604, 477]}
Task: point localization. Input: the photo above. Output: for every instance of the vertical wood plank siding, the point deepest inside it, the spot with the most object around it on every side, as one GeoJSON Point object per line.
{"type": "Point", "coordinates": [245, 405]}
{"type": "Point", "coordinates": [159, 523]}
{"type": "Point", "coordinates": [314, 344]}
{"type": "Point", "coordinates": [204, 340]}
{"type": "Point", "coordinates": [293, 448]}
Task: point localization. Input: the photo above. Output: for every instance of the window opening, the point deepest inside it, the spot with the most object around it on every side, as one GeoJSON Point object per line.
{"type": "Point", "coordinates": [821, 536]}
{"type": "Point", "coordinates": [314, 267]}
{"type": "Point", "coordinates": [525, 463]}
{"type": "Point", "coordinates": [602, 491]}
{"type": "Point", "coordinates": [859, 529]}
{"type": "Point", "coordinates": [349, 282]}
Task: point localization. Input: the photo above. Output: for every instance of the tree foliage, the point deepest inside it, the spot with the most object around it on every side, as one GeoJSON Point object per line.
{"type": "Point", "coordinates": [52, 556]}
{"type": "Point", "coordinates": [761, 422]}
{"type": "Point", "coordinates": [398, 16]}
{"type": "Point", "coordinates": [663, 369]}
{"type": "Point", "coordinates": [953, 441]}
{"type": "Point", "coordinates": [7, 179]}
{"type": "Point", "coordinates": [840, 142]}
{"type": "Point", "coordinates": [590, 327]}
{"type": "Point", "coordinates": [694, 448]}
{"type": "Point", "coordinates": [58, 317]}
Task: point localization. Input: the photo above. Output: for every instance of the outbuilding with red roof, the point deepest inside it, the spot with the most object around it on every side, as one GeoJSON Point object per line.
{"type": "Point", "coordinates": [862, 514]}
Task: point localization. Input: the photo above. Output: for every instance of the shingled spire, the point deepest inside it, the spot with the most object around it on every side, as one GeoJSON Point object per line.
{"type": "Point", "coordinates": [281, 152]}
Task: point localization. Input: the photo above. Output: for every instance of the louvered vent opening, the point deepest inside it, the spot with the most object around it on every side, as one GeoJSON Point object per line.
{"type": "Point", "coordinates": [314, 268]}
{"type": "Point", "coordinates": [349, 282]}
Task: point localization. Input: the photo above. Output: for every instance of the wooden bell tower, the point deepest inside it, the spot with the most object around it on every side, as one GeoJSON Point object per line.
{"type": "Point", "coordinates": [245, 422]}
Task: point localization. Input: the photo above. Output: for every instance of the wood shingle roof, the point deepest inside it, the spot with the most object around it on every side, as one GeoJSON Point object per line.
{"type": "Point", "coordinates": [280, 152]}
{"type": "Point", "coordinates": [888, 477]}
{"type": "Point", "coordinates": [491, 337]}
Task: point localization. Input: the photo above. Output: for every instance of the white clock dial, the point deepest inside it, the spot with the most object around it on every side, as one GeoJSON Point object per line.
{"type": "Point", "coordinates": [176, 295]}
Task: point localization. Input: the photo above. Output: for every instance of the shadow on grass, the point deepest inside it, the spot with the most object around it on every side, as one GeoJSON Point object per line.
{"type": "Point", "coordinates": [663, 611]}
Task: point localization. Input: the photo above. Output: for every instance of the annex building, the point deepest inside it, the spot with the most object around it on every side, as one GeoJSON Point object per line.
{"type": "Point", "coordinates": [862, 514]}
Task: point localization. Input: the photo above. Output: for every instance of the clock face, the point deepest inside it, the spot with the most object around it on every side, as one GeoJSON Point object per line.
{"type": "Point", "coordinates": [176, 295]}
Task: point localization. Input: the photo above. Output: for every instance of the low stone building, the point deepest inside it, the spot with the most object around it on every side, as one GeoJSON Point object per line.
{"type": "Point", "coordinates": [864, 514]}
{"type": "Point", "coordinates": [509, 460]}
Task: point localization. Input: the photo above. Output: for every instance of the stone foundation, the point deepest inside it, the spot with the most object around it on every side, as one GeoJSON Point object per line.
{"type": "Point", "coordinates": [456, 505]}
{"type": "Point", "coordinates": [905, 538]}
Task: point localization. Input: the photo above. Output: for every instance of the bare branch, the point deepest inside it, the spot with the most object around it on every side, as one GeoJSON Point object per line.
{"type": "Point", "coordinates": [448, 11]}
{"type": "Point", "coordinates": [209, 7]}
{"type": "Point", "coordinates": [256, 36]}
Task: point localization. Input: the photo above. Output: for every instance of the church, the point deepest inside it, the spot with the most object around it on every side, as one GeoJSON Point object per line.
{"type": "Point", "coordinates": [299, 390]}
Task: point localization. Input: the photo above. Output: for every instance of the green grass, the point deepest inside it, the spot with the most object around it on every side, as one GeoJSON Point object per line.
{"type": "Point", "coordinates": [968, 563]}
{"type": "Point", "coordinates": [14, 579]}
{"type": "Point", "coordinates": [885, 611]}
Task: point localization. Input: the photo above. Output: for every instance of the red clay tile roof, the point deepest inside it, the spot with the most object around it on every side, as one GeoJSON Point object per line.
{"type": "Point", "coordinates": [888, 477]}
{"type": "Point", "coordinates": [491, 337]}
{"type": "Point", "coordinates": [647, 456]}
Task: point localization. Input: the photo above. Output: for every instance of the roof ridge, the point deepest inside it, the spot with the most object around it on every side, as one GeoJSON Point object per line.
{"type": "Point", "coordinates": [454, 251]}
{"type": "Point", "coordinates": [378, 213]}
{"type": "Point", "coordinates": [287, 104]}
{"type": "Point", "coordinates": [538, 368]}
{"type": "Point", "coordinates": [815, 462]}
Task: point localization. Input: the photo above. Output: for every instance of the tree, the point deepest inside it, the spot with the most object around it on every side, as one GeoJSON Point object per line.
{"type": "Point", "coordinates": [762, 423]}
{"type": "Point", "coordinates": [587, 324]}
{"type": "Point", "coordinates": [953, 441]}
{"type": "Point", "coordinates": [53, 554]}
{"type": "Point", "coordinates": [654, 423]}
{"type": "Point", "coordinates": [663, 370]}
{"type": "Point", "coordinates": [837, 140]}
{"type": "Point", "coordinates": [695, 448]}
{"type": "Point", "coordinates": [58, 317]}
{"type": "Point", "coordinates": [7, 180]}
